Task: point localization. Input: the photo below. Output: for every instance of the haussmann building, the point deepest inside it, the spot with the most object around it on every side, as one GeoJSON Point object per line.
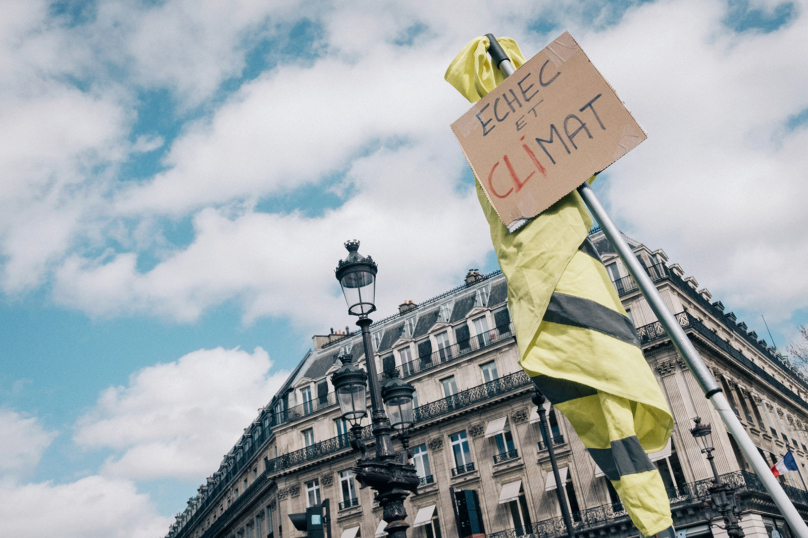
{"type": "Point", "coordinates": [481, 458]}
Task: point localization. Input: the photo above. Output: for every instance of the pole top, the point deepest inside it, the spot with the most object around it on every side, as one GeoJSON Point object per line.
{"type": "Point", "coordinates": [496, 51]}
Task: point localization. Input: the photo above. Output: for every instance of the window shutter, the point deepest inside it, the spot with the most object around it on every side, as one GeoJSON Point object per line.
{"type": "Point", "coordinates": [388, 364]}
{"type": "Point", "coordinates": [322, 393]}
{"type": "Point", "coordinates": [502, 319]}
{"type": "Point", "coordinates": [462, 333]}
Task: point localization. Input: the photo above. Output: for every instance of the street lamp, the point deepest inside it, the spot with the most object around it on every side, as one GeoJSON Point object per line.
{"type": "Point", "coordinates": [389, 473]}
{"type": "Point", "coordinates": [719, 492]}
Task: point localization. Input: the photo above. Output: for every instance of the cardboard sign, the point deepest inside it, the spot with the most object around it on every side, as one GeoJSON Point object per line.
{"type": "Point", "coordinates": [544, 131]}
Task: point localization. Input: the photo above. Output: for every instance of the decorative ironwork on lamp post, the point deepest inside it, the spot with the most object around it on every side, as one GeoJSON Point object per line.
{"type": "Point", "coordinates": [388, 472]}
{"type": "Point", "coordinates": [723, 495]}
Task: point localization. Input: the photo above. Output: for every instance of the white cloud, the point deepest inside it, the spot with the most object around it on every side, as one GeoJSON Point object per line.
{"type": "Point", "coordinates": [93, 507]}
{"type": "Point", "coordinates": [714, 103]}
{"type": "Point", "coordinates": [282, 265]}
{"type": "Point", "coordinates": [22, 444]}
{"type": "Point", "coordinates": [176, 420]}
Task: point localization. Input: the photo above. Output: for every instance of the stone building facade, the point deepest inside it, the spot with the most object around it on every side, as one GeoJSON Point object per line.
{"type": "Point", "coordinates": [476, 441]}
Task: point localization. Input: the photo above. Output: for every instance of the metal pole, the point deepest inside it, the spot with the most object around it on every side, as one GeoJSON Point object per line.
{"type": "Point", "coordinates": [688, 352]}
{"type": "Point", "coordinates": [680, 340]}
{"type": "Point", "coordinates": [683, 345]}
{"type": "Point", "coordinates": [381, 425]}
{"type": "Point", "coordinates": [538, 399]}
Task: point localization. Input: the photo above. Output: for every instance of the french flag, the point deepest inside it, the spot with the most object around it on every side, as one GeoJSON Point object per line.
{"type": "Point", "coordinates": [785, 464]}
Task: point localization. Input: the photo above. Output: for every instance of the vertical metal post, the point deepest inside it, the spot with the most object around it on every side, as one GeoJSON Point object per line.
{"type": "Point", "coordinates": [539, 399]}
{"type": "Point", "coordinates": [688, 352]}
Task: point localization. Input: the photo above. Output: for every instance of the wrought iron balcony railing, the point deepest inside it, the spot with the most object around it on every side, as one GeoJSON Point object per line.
{"type": "Point", "coordinates": [304, 409]}
{"type": "Point", "coordinates": [349, 502]}
{"type": "Point", "coordinates": [456, 351]}
{"type": "Point", "coordinates": [557, 440]}
{"type": "Point", "coordinates": [693, 493]}
{"type": "Point", "coordinates": [505, 456]}
{"type": "Point", "coordinates": [626, 285]}
{"type": "Point", "coordinates": [461, 469]}
{"type": "Point", "coordinates": [425, 480]}
{"type": "Point", "coordinates": [471, 396]}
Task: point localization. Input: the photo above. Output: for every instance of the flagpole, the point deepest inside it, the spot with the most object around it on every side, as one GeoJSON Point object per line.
{"type": "Point", "coordinates": [678, 337]}
{"type": "Point", "coordinates": [688, 352]}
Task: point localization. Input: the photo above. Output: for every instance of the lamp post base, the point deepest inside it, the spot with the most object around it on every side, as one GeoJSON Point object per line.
{"type": "Point", "coordinates": [393, 481]}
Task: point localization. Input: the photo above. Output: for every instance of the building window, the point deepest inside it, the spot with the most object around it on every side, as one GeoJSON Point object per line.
{"type": "Point", "coordinates": [445, 313]}
{"type": "Point", "coordinates": [481, 298]}
{"type": "Point", "coordinates": [308, 437]}
{"type": "Point", "coordinates": [504, 441]}
{"type": "Point", "coordinates": [481, 329]}
{"type": "Point", "coordinates": [630, 316]}
{"type": "Point", "coordinates": [614, 271]}
{"type": "Point", "coordinates": [245, 483]}
{"type": "Point", "coordinates": [449, 386]}
{"type": "Point", "coordinates": [444, 347]}
{"type": "Point", "coordinates": [255, 473]}
{"type": "Point", "coordinates": [420, 458]}
{"type": "Point", "coordinates": [348, 488]}
{"type": "Point", "coordinates": [520, 517]}
{"type": "Point", "coordinates": [409, 328]}
{"type": "Point", "coordinates": [342, 426]}
{"type": "Point", "coordinates": [670, 469]}
{"type": "Point", "coordinates": [555, 431]}
{"type": "Point", "coordinates": [305, 396]}
{"type": "Point", "coordinates": [461, 453]}
{"type": "Point", "coordinates": [572, 500]}
{"type": "Point", "coordinates": [489, 371]}
{"type": "Point", "coordinates": [312, 493]}
{"type": "Point", "coordinates": [405, 358]}
{"type": "Point", "coordinates": [376, 339]}
{"type": "Point", "coordinates": [432, 529]}
{"type": "Point", "coordinates": [614, 498]}
{"type": "Point", "coordinates": [270, 527]}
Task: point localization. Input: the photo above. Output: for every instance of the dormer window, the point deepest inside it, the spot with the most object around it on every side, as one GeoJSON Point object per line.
{"type": "Point", "coordinates": [377, 340]}
{"type": "Point", "coordinates": [409, 328]}
{"type": "Point", "coordinates": [481, 298]}
{"type": "Point", "coordinates": [445, 313]}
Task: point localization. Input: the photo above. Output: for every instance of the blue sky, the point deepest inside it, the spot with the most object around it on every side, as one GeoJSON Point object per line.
{"type": "Point", "coordinates": [178, 178]}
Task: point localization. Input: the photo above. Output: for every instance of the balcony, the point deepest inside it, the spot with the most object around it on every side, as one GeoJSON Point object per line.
{"type": "Point", "coordinates": [309, 407]}
{"type": "Point", "coordinates": [557, 440]}
{"type": "Point", "coordinates": [626, 285]}
{"type": "Point", "coordinates": [472, 396]}
{"type": "Point", "coordinates": [505, 456]}
{"type": "Point", "coordinates": [347, 503]}
{"type": "Point", "coordinates": [462, 469]}
{"type": "Point", "coordinates": [456, 351]}
{"type": "Point", "coordinates": [426, 480]}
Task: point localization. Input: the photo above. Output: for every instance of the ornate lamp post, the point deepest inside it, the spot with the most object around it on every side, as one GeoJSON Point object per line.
{"type": "Point", "coordinates": [721, 492]}
{"type": "Point", "coordinates": [389, 473]}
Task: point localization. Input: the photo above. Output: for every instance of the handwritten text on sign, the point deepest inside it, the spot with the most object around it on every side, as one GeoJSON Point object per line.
{"type": "Point", "coordinates": [544, 131]}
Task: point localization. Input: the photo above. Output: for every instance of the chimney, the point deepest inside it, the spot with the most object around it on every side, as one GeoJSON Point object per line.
{"type": "Point", "coordinates": [406, 306]}
{"type": "Point", "coordinates": [473, 277]}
